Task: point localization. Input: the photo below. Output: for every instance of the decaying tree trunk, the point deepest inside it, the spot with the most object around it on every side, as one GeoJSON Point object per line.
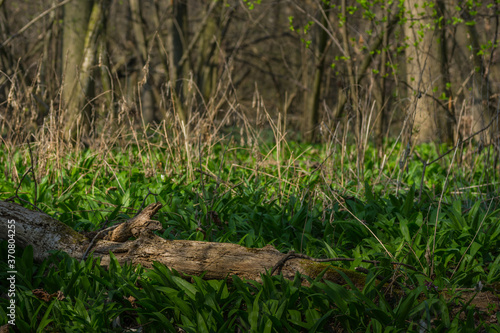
{"type": "Point", "coordinates": [216, 260]}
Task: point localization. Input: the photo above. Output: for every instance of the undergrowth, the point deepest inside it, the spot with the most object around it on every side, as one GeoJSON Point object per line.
{"type": "Point", "coordinates": [445, 223]}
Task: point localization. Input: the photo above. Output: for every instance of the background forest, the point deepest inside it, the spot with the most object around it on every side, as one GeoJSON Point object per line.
{"type": "Point", "coordinates": [425, 69]}
{"type": "Point", "coordinates": [361, 132]}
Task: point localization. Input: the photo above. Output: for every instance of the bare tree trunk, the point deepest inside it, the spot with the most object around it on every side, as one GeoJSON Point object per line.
{"type": "Point", "coordinates": [75, 24]}
{"type": "Point", "coordinates": [42, 84]}
{"type": "Point", "coordinates": [176, 43]}
{"type": "Point", "coordinates": [482, 111]}
{"type": "Point", "coordinates": [380, 90]}
{"type": "Point", "coordinates": [446, 114]}
{"type": "Point", "coordinates": [312, 110]}
{"type": "Point", "coordinates": [351, 75]}
{"type": "Point", "coordinates": [206, 64]}
{"type": "Point", "coordinates": [426, 73]}
{"type": "Point", "coordinates": [78, 113]}
{"type": "Point", "coordinates": [106, 80]}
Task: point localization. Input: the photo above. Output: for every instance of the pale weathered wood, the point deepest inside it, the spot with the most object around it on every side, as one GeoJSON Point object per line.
{"type": "Point", "coordinates": [40, 230]}
{"type": "Point", "coordinates": [214, 260]}
{"type": "Point", "coordinates": [137, 225]}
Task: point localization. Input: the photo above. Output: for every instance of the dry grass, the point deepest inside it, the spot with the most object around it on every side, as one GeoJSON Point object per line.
{"type": "Point", "coordinates": [223, 120]}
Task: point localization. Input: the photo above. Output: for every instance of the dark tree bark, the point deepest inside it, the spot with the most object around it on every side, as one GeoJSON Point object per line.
{"type": "Point", "coordinates": [176, 44]}
{"type": "Point", "coordinates": [312, 110]}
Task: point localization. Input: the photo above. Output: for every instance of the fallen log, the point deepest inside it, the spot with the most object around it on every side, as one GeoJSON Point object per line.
{"type": "Point", "coordinates": [134, 242]}
{"type": "Point", "coordinates": [212, 260]}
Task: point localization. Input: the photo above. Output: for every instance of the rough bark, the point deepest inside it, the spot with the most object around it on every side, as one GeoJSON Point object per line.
{"type": "Point", "coordinates": [312, 111]}
{"type": "Point", "coordinates": [206, 64]}
{"type": "Point", "coordinates": [483, 110]}
{"type": "Point", "coordinates": [176, 43]}
{"type": "Point", "coordinates": [78, 84]}
{"type": "Point", "coordinates": [380, 90]}
{"type": "Point", "coordinates": [76, 18]}
{"type": "Point", "coordinates": [39, 230]}
{"type": "Point", "coordinates": [214, 260]}
{"type": "Point", "coordinates": [427, 72]}
{"type": "Point", "coordinates": [106, 80]}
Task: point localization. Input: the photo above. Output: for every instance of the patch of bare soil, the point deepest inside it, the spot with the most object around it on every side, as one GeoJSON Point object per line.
{"type": "Point", "coordinates": [486, 302]}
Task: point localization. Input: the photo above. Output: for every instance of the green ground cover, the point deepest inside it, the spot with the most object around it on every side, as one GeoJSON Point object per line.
{"type": "Point", "coordinates": [311, 199]}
